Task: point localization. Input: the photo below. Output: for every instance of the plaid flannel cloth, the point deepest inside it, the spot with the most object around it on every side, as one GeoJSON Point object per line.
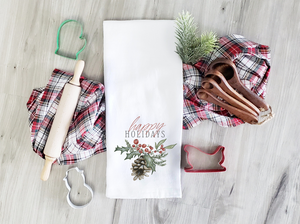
{"type": "Point", "coordinates": [86, 135]}
{"type": "Point", "coordinates": [252, 61]}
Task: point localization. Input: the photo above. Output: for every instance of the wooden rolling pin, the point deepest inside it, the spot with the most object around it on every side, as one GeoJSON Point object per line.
{"type": "Point", "coordinates": [62, 120]}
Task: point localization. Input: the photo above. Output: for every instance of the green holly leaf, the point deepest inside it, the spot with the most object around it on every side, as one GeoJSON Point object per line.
{"type": "Point", "coordinates": [128, 144]}
{"type": "Point", "coordinates": [159, 143]}
{"type": "Point", "coordinates": [132, 154]}
{"type": "Point", "coordinates": [121, 149]}
{"type": "Point", "coordinates": [170, 146]}
{"type": "Point", "coordinates": [150, 162]}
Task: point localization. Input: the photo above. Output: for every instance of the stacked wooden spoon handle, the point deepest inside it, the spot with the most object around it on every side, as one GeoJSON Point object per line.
{"type": "Point", "coordinates": [223, 87]}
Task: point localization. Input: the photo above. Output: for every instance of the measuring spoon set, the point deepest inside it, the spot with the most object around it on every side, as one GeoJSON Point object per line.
{"type": "Point", "coordinates": [222, 86]}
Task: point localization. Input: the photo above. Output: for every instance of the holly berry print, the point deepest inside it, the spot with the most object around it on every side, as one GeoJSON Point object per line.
{"type": "Point", "coordinates": [148, 157]}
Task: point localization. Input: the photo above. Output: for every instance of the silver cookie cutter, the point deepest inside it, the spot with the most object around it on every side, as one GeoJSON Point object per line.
{"type": "Point", "coordinates": [69, 188]}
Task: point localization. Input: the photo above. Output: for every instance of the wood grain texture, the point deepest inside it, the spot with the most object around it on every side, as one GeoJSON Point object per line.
{"type": "Point", "coordinates": [261, 184]}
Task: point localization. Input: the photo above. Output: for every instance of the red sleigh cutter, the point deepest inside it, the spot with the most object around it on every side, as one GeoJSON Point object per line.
{"type": "Point", "coordinates": [193, 159]}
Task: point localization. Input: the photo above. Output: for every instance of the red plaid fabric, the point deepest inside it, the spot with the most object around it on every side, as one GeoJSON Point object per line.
{"type": "Point", "coordinates": [253, 65]}
{"type": "Point", "coordinates": [86, 135]}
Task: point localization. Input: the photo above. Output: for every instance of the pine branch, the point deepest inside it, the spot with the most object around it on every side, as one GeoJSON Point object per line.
{"type": "Point", "coordinates": [189, 46]}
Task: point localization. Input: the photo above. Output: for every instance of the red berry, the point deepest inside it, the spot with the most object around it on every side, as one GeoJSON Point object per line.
{"type": "Point", "coordinates": [144, 145]}
{"type": "Point", "coordinates": [151, 147]}
{"type": "Point", "coordinates": [140, 145]}
{"type": "Point", "coordinates": [160, 151]}
{"type": "Point", "coordinates": [146, 150]}
{"type": "Point", "coordinates": [161, 146]}
{"type": "Point", "coordinates": [149, 152]}
{"type": "Point", "coordinates": [155, 151]}
{"type": "Point", "coordinates": [138, 148]}
{"type": "Point", "coordinates": [136, 141]}
{"type": "Point", "coordinates": [163, 149]}
{"type": "Point", "coordinates": [141, 151]}
{"type": "Point", "coordinates": [133, 146]}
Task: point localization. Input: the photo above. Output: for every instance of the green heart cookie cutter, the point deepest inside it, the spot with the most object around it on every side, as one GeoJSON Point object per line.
{"type": "Point", "coordinates": [80, 37]}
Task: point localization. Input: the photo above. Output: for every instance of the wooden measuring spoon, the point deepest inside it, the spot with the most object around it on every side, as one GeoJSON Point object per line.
{"type": "Point", "coordinates": [212, 86]}
{"type": "Point", "coordinates": [247, 117]}
{"type": "Point", "coordinates": [228, 70]}
{"type": "Point", "coordinates": [222, 82]}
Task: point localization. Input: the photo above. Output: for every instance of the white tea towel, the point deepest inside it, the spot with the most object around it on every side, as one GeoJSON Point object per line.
{"type": "Point", "coordinates": [144, 105]}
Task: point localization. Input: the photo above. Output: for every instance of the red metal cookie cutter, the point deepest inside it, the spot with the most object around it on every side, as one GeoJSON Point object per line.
{"type": "Point", "coordinates": [193, 170]}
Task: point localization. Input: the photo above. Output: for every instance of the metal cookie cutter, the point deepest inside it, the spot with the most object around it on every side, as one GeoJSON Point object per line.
{"type": "Point", "coordinates": [193, 167]}
{"type": "Point", "coordinates": [69, 188]}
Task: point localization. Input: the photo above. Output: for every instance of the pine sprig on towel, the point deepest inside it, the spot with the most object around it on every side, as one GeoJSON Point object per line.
{"type": "Point", "coordinates": [190, 47]}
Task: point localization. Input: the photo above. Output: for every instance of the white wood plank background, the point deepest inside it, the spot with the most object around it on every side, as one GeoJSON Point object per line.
{"type": "Point", "coordinates": [262, 181]}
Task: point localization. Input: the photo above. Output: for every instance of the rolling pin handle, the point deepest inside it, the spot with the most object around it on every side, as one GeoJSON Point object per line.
{"type": "Point", "coordinates": [77, 73]}
{"type": "Point", "coordinates": [47, 167]}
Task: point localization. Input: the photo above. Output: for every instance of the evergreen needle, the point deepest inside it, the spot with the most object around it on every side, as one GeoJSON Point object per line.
{"type": "Point", "coordinates": [189, 46]}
